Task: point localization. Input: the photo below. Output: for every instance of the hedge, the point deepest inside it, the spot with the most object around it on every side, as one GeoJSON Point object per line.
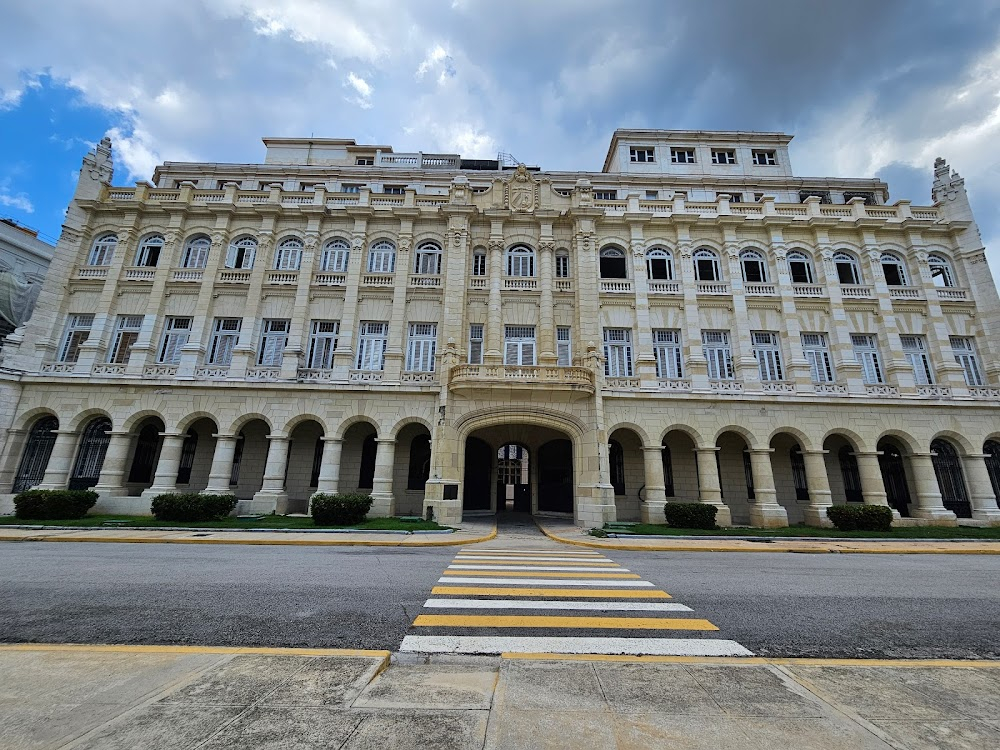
{"type": "Point", "coordinates": [690, 515]}
{"type": "Point", "coordinates": [46, 505]}
{"type": "Point", "coordinates": [860, 517]}
{"type": "Point", "coordinates": [340, 510]}
{"type": "Point", "coordinates": [192, 506]}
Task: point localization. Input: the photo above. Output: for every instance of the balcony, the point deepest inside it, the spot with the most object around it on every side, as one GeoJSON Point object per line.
{"type": "Point", "coordinates": [476, 380]}
{"type": "Point", "coordinates": [616, 286]}
{"type": "Point", "coordinates": [140, 274]}
{"type": "Point", "coordinates": [712, 287]}
{"type": "Point", "coordinates": [425, 282]}
{"type": "Point", "coordinates": [92, 273]}
{"type": "Point", "coordinates": [664, 287]}
{"type": "Point", "coordinates": [905, 292]}
{"type": "Point", "coordinates": [856, 291]}
{"type": "Point", "coordinates": [478, 282]}
{"type": "Point", "coordinates": [377, 279]}
{"type": "Point", "coordinates": [187, 275]}
{"type": "Point", "coordinates": [760, 290]}
{"type": "Point", "coordinates": [234, 277]}
{"type": "Point", "coordinates": [952, 295]}
{"type": "Point", "coordinates": [564, 285]}
{"type": "Point", "coordinates": [520, 283]}
{"type": "Point", "coordinates": [329, 279]}
{"type": "Point", "coordinates": [808, 290]}
{"type": "Point", "coordinates": [283, 278]}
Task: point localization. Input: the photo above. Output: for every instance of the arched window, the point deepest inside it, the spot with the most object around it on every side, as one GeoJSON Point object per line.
{"type": "Point", "coordinates": [613, 263]}
{"type": "Point", "coordinates": [196, 252]}
{"type": "Point", "coordinates": [893, 269]}
{"type": "Point", "coordinates": [706, 266]}
{"type": "Point", "coordinates": [659, 264]}
{"type": "Point", "coordinates": [382, 257]}
{"type": "Point", "coordinates": [366, 478]}
{"type": "Point", "coordinates": [241, 253]}
{"type": "Point", "coordinates": [520, 261]}
{"type": "Point", "coordinates": [288, 256]}
{"type": "Point", "coordinates": [799, 473]}
{"type": "Point", "coordinates": [149, 250]}
{"type": "Point", "coordinates": [754, 267]}
{"type": "Point", "coordinates": [103, 250]}
{"type": "Point", "coordinates": [479, 262]}
{"type": "Point", "coordinates": [188, 451]}
{"type": "Point", "coordinates": [144, 460]}
{"type": "Point", "coordinates": [948, 468]}
{"type": "Point", "coordinates": [848, 270]}
{"type": "Point", "coordinates": [616, 458]}
{"type": "Point", "coordinates": [427, 260]}
{"type": "Point", "coordinates": [941, 273]}
{"type": "Point", "coordinates": [336, 254]}
{"type": "Point", "coordinates": [800, 268]}
{"type": "Point", "coordinates": [420, 462]}
{"type": "Point", "coordinates": [992, 450]}
{"type": "Point", "coordinates": [668, 471]}
{"type": "Point", "coordinates": [851, 474]}
{"type": "Point", "coordinates": [90, 457]}
{"type": "Point", "coordinates": [37, 451]}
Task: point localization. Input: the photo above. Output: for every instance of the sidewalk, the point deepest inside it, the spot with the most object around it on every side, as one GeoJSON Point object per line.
{"type": "Point", "coordinates": [568, 533]}
{"type": "Point", "coordinates": [471, 531]}
{"type": "Point", "coordinates": [146, 698]}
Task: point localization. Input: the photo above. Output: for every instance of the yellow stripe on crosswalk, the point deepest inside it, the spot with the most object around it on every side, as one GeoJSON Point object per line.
{"type": "Point", "coordinates": [551, 621]}
{"type": "Point", "coordinates": [536, 574]}
{"type": "Point", "coordinates": [572, 593]}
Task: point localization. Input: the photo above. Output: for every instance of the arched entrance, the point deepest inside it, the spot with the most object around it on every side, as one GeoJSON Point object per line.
{"type": "Point", "coordinates": [951, 482]}
{"type": "Point", "coordinates": [145, 454]}
{"type": "Point", "coordinates": [90, 455]}
{"type": "Point", "coordinates": [513, 478]}
{"type": "Point", "coordinates": [892, 463]}
{"type": "Point", "coordinates": [842, 470]}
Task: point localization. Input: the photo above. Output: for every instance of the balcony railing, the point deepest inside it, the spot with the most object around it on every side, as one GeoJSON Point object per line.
{"type": "Point", "coordinates": [856, 291]}
{"type": "Point", "coordinates": [952, 295]}
{"type": "Point", "coordinates": [418, 280]}
{"type": "Point", "coordinates": [365, 376]}
{"type": "Point", "coordinates": [329, 279]}
{"type": "Point", "coordinates": [234, 277]}
{"type": "Point", "coordinates": [286, 278]}
{"type": "Point", "coordinates": [808, 290]}
{"type": "Point", "coordinates": [187, 275]}
{"type": "Point", "coordinates": [377, 279]}
{"type": "Point", "coordinates": [905, 292]}
{"type": "Point", "coordinates": [760, 290]}
{"type": "Point", "coordinates": [140, 274]}
{"type": "Point", "coordinates": [478, 282]}
{"type": "Point", "coordinates": [664, 287]}
{"type": "Point", "coordinates": [520, 283]}
{"type": "Point", "coordinates": [92, 272]}
{"type": "Point", "coordinates": [159, 371]}
{"type": "Point", "coordinates": [712, 287]}
{"type": "Point", "coordinates": [616, 286]}
{"type": "Point", "coordinates": [313, 375]}
{"type": "Point", "coordinates": [480, 376]}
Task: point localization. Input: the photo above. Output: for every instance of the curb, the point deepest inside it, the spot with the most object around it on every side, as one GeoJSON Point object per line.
{"type": "Point", "coordinates": [165, 649]}
{"type": "Point", "coordinates": [761, 660]}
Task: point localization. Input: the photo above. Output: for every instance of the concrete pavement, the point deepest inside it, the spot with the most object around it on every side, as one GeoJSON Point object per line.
{"type": "Point", "coordinates": [146, 698]}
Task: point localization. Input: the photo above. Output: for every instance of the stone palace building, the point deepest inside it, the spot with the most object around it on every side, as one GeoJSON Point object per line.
{"type": "Point", "coordinates": [690, 323]}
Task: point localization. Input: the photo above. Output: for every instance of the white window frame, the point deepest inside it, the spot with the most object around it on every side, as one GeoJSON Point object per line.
{"type": "Point", "coordinates": [151, 246]}
{"type": "Point", "coordinates": [103, 251]}
{"type": "Point", "coordinates": [889, 260]}
{"type": "Point", "coordinates": [562, 265]}
{"type": "Point", "coordinates": [618, 353]}
{"type": "Point", "coordinates": [753, 261]}
{"type": "Point", "coordinates": [373, 338]}
{"type": "Point", "coordinates": [866, 353]}
{"type": "Point", "coordinates": [669, 353]}
{"type": "Point", "coordinates": [196, 252]}
{"type": "Point", "coordinates": [479, 263]}
{"type": "Point", "coordinates": [176, 334]}
{"type": "Point", "coordinates": [765, 157]}
{"type": "Point", "coordinates": [273, 340]}
{"type": "Point", "coordinates": [841, 258]}
{"type": "Point", "coordinates": [427, 260]}
{"type": "Point", "coordinates": [421, 347]}
{"type": "Point", "coordinates": [564, 346]}
{"type": "Point", "coordinates": [225, 337]}
{"type": "Point", "coordinates": [520, 261]}
{"type": "Point", "coordinates": [941, 272]}
{"type": "Point", "coordinates": [241, 253]}
{"type": "Point", "coordinates": [476, 344]}
{"type": "Point", "coordinates": [605, 195]}
{"type": "Point", "coordinates": [659, 255]}
{"type": "Point", "coordinates": [519, 346]}
{"type": "Point", "coordinates": [723, 156]}
{"type": "Point", "coordinates": [382, 257]}
{"type": "Point", "coordinates": [718, 353]}
{"type": "Point", "coordinates": [351, 187]}
{"type": "Point", "coordinates": [77, 331]}
{"type": "Point", "coordinates": [681, 155]}
{"type": "Point", "coordinates": [817, 353]}
{"type": "Point", "coordinates": [335, 257]}
{"type": "Point", "coordinates": [710, 255]}
{"type": "Point", "coordinates": [803, 260]}
{"type": "Point", "coordinates": [288, 255]}
{"type": "Point", "coordinates": [642, 154]}
{"type": "Point", "coordinates": [915, 351]}
{"type": "Point", "coordinates": [963, 348]}
{"type": "Point", "coordinates": [766, 346]}
{"type": "Point", "coordinates": [323, 336]}
{"type": "Point", "coordinates": [127, 328]}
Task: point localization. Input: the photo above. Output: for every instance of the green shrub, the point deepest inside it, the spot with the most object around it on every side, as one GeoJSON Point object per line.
{"type": "Point", "coordinates": [191, 506]}
{"type": "Point", "coordinates": [340, 510]}
{"type": "Point", "coordinates": [860, 517]}
{"type": "Point", "coordinates": [690, 515]}
{"type": "Point", "coordinates": [44, 505]}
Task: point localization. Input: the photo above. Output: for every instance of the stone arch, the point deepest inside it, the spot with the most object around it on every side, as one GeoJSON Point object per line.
{"type": "Point", "coordinates": [28, 418]}
{"type": "Point", "coordinates": [860, 444]}
{"type": "Point", "coordinates": [905, 439]}
{"type": "Point", "coordinates": [81, 419]}
{"type": "Point", "coordinates": [961, 443]}
{"type": "Point", "coordinates": [289, 234]}
{"type": "Point", "coordinates": [244, 419]}
{"type": "Point", "coordinates": [643, 435]}
{"type": "Point", "coordinates": [294, 422]}
{"type": "Point", "coordinates": [185, 422]}
{"type": "Point", "coordinates": [405, 421]}
{"type": "Point", "coordinates": [351, 421]}
{"type": "Point", "coordinates": [691, 432]}
{"type": "Point", "coordinates": [139, 416]}
{"type": "Point", "coordinates": [805, 442]}
{"type": "Point", "coordinates": [332, 235]}
{"type": "Point", "coordinates": [429, 235]}
{"type": "Point", "coordinates": [708, 244]}
{"type": "Point", "coordinates": [743, 432]}
{"type": "Point", "coordinates": [481, 418]}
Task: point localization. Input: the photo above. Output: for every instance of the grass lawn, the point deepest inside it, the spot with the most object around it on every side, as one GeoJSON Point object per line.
{"type": "Point", "coordinates": [910, 532]}
{"type": "Point", "coordinates": [266, 522]}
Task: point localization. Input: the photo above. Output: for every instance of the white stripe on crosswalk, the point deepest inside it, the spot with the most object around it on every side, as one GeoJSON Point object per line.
{"type": "Point", "coordinates": [528, 552]}
{"type": "Point", "coordinates": [532, 568]}
{"type": "Point", "coordinates": [545, 604]}
{"type": "Point", "coordinates": [470, 644]}
{"type": "Point", "coordinates": [548, 582]}
{"type": "Point", "coordinates": [581, 560]}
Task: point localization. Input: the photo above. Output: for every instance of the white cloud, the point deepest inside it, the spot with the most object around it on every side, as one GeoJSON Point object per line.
{"type": "Point", "coordinates": [363, 89]}
{"type": "Point", "coordinates": [18, 200]}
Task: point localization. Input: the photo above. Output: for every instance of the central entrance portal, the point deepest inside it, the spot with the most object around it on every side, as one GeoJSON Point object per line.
{"type": "Point", "coordinates": [513, 482]}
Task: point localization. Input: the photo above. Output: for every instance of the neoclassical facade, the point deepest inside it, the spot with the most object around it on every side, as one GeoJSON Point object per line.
{"type": "Point", "coordinates": [692, 323]}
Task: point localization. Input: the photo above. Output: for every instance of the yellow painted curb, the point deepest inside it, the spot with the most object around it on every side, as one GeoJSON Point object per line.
{"type": "Point", "coordinates": [760, 660]}
{"type": "Point", "coordinates": [142, 649]}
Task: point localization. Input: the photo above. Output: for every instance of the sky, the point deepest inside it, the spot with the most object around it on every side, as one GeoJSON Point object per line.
{"type": "Point", "coordinates": [869, 89]}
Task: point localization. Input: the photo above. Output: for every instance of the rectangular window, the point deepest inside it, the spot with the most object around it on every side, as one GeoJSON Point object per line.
{"type": "Point", "coordinates": [322, 343]}
{"type": "Point", "coordinates": [652, 195]}
{"type": "Point", "coordinates": [605, 195]}
{"type": "Point", "coordinates": [767, 350]}
{"type": "Point", "coordinates": [764, 158]}
{"type": "Point", "coordinates": [176, 332]}
{"type": "Point", "coordinates": [225, 335]}
{"type": "Point", "coordinates": [866, 353]}
{"type": "Point", "coordinates": [915, 351]}
{"type": "Point", "coordinates": [372, 341]}
{"type": "Point", "coordinates": [562, 266]}
{"type": "Point", "coordinates": [964, 349]}
{"type": "Point", "coordinates": [421, 347]}
{"type": "Point", "coordinates": [817, 352]}
{"type": "Point", "coordinates": [736, 197]}
{"type": "Point", "coordinates": [476, 344]}
{"type": "Point", "coordinates": [618, 352]}
{"type": "Point", "coordinates": [126, 333]}
{"type": "Point", "coordinates": [241, 253]}
{"type": "Point", "coordinates": [682, 155]}
{"type": "Point", "coordinates": [519, 346]}
{"type": "Point", "coordinates": [719, 354]}
{"type": "Point", "coordinates": [335, 257]}
{"type": "Point", "coordinates": [392, 189]}
{"type": "Point", "coordinates": [365, 161]}
{"type": "Point", "coordinates": [77, 331]}
{"type": "Point", "coordinates": [723, 156]}
{"type": "Point", "coordinates": [345, 188]}
{"type": "Point", "coordinates": [641, 153]}
{"type": "Point", "coordinates": [148, 254]}
{"type": "Point", "coordinates": [564, 349]}
{"type": "Point", "coordinates": [479, 264]}
{"type": "Point", "coordinates": [273, 339]}
{"type": "Point", "coordinates": [667, 350]}
{"type": "Point", "coordinates": [196, 254]}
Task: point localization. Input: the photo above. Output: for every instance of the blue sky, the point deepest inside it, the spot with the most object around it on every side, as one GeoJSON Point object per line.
{"type": "Point", "coordinates": [868, 89]}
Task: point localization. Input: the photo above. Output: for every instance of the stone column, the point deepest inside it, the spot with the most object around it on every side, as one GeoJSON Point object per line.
{"type": "Point", "coordinates": [343, 357]}
{"type": "Point", "coordinates": [298, 336]}
{"type": "Point", "coordinates": [60, 461]}
{"type": "Point", "coordinates": [546, 317]}
{"type": "Point", "coordinates": [110, 483]}
{"type": "Point", "coordinates": [272, 497]}
{"type": "Point", "coordinates": [645, 363]}
{"type": "Point", "coordinates": [13, 450]}
{"type": "Point", "coordinates": [765, 510]}
{"type": "Point", "coordinates": [395, 352]}
{"type": "Point", "coordinates": [222, 465]}
{"type": "Point", "coordinates": [929, 502]}
{"type": "Point", "coordinates": [383, 502]}
{"type": "Point", "coordinates": [872, 484]}
{"type": "Point", "coordinates": [820, 496]}
{"type": "Point", "coordinates": [744, 362]}
{"type": "Point", "coordinates": [329, 468]}
{"type": "Point", "coordinates": [165, 477]}
{"type": "Point", "coordinates": [656, 497]}
{"type": "Point", "coordinates": [981, 497]}
{"type": "Point", "coordinates": [695, 364]}
{"type": "Point", "coordinates": [494, 314]}
{"type": "Point", "coordinates": [709, 488]}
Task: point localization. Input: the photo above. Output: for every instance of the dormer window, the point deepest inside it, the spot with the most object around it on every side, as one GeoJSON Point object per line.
{"type": "Point", "coordinates": [641, 154]}
{"type": "Point", "coordinates": [764, 158]}
{"type": "Point", "coordinates": [682, 155]}
{"type": "Point", "coordinates": [723, 156]}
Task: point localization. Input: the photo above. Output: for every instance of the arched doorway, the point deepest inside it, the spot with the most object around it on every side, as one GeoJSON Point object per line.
{"type": "Point", "coordinates": [249, 459]}
{"type": "Point", "coordinates": [789, 470]}
{"type": "Point", "coordinates": [992, 450]}
{"type": "Point", "coordinates": [357, 459]}
{"type": "Point", "coordinates": [680, 467]}
{"type": "Point", "coordinates": [145, 453]}
{"type": "Point", "coordinates": [197, 453]}
{"type": "Point", "coordinates": [513, 478]}
{"type": "Point", "coordinates": [842, 470]}
{"type": "Point", "coordinates": [951, 482]}
{"type": "Point", "coordinates": [90, 456]}
{"type": "Point", "coordinates": [305, 456]}
{"type": "Point", "coordinates": [892, 464]}
{"type": "Point", "coordinates": [412, 468]}
{"type": "Point", "coordinates": [37, 451]}
{"type": "Point", "coordinates": [735, 475]}
{"type": "Point", "coordinates": [628, 473]}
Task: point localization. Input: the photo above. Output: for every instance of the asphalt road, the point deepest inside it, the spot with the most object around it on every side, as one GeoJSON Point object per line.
{"type": "Point", "coordinates": [899, 606]}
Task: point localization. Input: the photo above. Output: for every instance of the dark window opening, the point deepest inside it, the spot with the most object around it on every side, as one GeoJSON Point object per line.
{"type": "Point", "coordinates": [366, 479]}
{"type": "Point", "coordinates": [420, 463]}
{"type": "Point", "coordinates": [852, 475]}
{"type": "Point", "coordinates": [748, 473]}
{"type": "Point", "coordinates": [144, 461]}
{"type": "Point", "coordinates": [90, 459]}
{"type": "Point", "coordinates": [188, 450]}
{"type": "Point", "coordinates": [668, 472]}
{"type": "Point", "coordinates": [616, 457]}
{"type": "Point", "coordinates": [317, 462]}
{"type": "Point", "coordinates": [799, 474]}
{"type": "Point", "coordinates": [36, 455]}
{"type": "Point", "coordinates": [234, 474]}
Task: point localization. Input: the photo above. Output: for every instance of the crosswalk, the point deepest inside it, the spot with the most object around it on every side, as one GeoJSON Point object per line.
{"type": "Point", "coordinates": [541, 601]}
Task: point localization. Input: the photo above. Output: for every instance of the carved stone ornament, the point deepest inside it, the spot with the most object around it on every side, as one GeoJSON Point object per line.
{"type": "Point", "coordinates": [495, 243]}
{"type": "Point", "coordinates": [169, 238]}
{"type": "Point", "coordinates": [310, 242]}
{"type": "Point", "coordinates": [456, 237]}
{"type": "Point", "coordinates": [638, 248]}
{"type": "Point", "coordinates": [733, 251]}
{"type": "Point", "coordinates": [547, 245]}
{"type": "Point", "coordinates": [780, 250]}
{"type": "Point", "coordinates": [405, 243]}
{"type": "Point", "coordinates": [921, 256]}
{"type": "Point", "coordinates": [686, 251]}
{"type": "Point", "coordinates": [521, 192]}
{"type": "Point", "coordinates": [357, 241]}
